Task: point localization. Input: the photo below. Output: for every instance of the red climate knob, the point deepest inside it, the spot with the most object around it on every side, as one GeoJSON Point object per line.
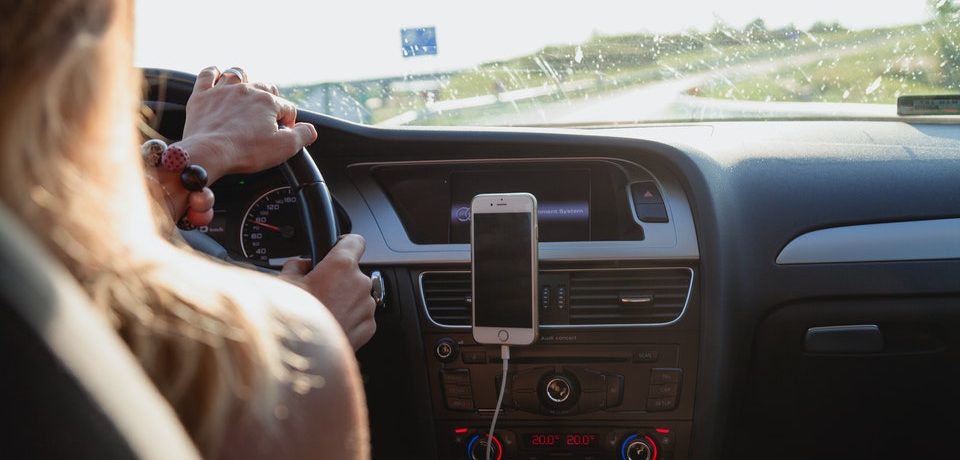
{"type": "Point", "coordinates": [638, 447]}
{"type": "Point", "coordinates": [477, 448]}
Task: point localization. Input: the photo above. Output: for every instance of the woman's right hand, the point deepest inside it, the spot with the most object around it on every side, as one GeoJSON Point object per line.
{"type": "Point", "coordinates": [338, 283]}
{"type": "Point", "coordinates": [232, 126]}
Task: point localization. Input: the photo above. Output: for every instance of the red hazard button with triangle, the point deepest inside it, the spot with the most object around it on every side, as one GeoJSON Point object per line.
{"type": "Point", "coordinates": [646, 192]}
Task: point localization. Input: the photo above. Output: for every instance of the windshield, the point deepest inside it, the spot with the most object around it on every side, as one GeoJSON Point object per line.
{"type": "Point", "coordinates": [533, 62]}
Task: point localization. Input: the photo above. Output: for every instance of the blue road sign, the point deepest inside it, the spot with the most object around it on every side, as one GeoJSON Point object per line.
{"type": "Point", "coordinates": [418, 41]}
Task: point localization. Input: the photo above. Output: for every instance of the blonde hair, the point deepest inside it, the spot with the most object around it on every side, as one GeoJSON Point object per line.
{"type": "Point", "coordinates": [71, 172]}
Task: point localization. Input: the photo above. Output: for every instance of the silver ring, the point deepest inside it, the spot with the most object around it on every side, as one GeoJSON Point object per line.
{"type": "Point", "coordinates": [379, 289]}
{"type": "Point", "coordinates": [236, 71]}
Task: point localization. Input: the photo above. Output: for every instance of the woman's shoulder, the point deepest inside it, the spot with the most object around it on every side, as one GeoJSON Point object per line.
{"type": "Point", "coordinates": [315, 394]}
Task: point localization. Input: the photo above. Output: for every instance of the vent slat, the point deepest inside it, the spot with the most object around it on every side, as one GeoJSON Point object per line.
{"type": "Point", "coordinates": [458, 298]}
{"type": "Point", "coordinates": [445, 295]}
{"type": "Point", "coordinates": [617, 318]}
{"type": "Point", "coordinates": [594, 296]}
{"type": "Point", "coordinates": [616, 295]}
{"type": "Point", "coordinates": [635, 286]}
{"type": "Point", "coordinates": [625, 308]}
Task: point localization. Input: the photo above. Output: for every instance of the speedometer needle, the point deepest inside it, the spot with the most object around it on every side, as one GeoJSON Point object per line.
{"type": "Point", "coordinates": [265, 225]}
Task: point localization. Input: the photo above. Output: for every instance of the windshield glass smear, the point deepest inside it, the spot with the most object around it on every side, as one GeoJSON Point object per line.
{"type": "Point", "coordinates": [581, 62]}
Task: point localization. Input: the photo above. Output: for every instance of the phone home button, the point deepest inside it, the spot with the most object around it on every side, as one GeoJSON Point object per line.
{"type": "Point", "coordinates": [503, 335]}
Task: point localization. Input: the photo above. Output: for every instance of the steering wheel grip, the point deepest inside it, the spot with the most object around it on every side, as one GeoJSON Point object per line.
{"type": "Point", "coordinates": [315, 203]}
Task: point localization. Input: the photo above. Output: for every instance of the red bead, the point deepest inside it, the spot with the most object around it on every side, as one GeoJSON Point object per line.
{"type": "Point", "coordinates": [175, 159]}
{"type": "Point", "coordinates": [200, 218]}
{"type": "Point", "coordinates": [202, 200]}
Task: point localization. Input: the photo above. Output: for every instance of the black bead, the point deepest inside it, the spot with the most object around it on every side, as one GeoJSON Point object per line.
{"type": "Point", "coordinates": [194, 178]}
{"type": "Point", "coordinates": [185, 224]}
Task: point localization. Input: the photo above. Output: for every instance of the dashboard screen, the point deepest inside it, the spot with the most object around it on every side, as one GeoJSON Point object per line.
{"type": "Point", "coordinates": [563, 200]}
{"type": "Point", "coordinates": [502, 270]}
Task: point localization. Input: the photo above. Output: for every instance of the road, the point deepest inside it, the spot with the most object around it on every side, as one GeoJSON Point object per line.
{"type": "Point", "coordinates": [667, 100]}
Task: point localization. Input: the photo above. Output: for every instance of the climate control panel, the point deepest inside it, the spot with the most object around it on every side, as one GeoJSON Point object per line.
{"type": "Point", "coordinates": [576, 394]}
{"type": "Point", "coordinates": [592, 443]}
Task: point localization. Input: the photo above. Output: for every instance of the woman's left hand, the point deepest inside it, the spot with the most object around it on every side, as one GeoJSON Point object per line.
{"type": "Point", "coordinates": [232, 126]}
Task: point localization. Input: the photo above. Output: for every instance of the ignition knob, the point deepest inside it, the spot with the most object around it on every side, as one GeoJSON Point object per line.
{"type": "Point", "coordinates": [477, 448]}
{"type": "Point", "coordinates": [638, 447]}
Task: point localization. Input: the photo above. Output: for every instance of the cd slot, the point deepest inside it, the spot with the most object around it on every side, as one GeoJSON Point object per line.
{"type": "Point", "coordinates": [566, 359]}
{"type": "Point", "coordinates": [561, 355]}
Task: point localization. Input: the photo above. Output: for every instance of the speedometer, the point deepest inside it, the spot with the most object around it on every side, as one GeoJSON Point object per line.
{"type": "Point", "coordinates": [272, 230]}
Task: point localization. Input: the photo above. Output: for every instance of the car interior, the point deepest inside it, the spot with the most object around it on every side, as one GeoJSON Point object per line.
{"type": "Point", "coordinates": [721, 289]}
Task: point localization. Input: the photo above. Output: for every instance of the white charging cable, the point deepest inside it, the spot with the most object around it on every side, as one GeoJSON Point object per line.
{"type": "Point", "coordinates": [505, 356]}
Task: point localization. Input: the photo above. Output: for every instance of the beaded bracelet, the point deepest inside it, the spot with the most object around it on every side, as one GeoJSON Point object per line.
{"type": "Point", "coordinates": [157, 153]}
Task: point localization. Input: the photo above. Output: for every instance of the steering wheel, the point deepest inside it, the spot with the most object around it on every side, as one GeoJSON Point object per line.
{"type": "Point", "coordinates": [315, 203]}
{"type": "Point", "coordinates": [169, 89]}
{"type": "Point", "coordinates": [316, 206]}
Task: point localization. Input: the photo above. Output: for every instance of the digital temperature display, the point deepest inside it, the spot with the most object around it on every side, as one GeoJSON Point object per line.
{"type": "Point", "coordinates": [573, 441]}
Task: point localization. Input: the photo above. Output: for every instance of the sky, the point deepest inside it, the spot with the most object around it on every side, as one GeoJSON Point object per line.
{"type": "Point", "coordinates": [307, 41]}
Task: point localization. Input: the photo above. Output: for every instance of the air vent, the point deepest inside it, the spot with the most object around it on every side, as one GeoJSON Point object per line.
{"type": "Point", "coordinates": [446, 296]}
{"type": "Point", "coordinates": [647, 296]}
{"type": "Point", "coordinates": [640, 296]}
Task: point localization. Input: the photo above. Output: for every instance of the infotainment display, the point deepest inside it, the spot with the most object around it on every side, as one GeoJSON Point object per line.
{"type": "Point", "coordinates": [563, 198]}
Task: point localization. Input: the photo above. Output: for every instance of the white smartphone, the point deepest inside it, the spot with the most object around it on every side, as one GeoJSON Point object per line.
{"type": "Point", "coordinates": [503, 260]}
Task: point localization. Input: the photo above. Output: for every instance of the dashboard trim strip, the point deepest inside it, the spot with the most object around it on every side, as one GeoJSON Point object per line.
{"type": "Point", "coordinates": [686, 302]}
{"type": "Point", "coordinates": [885, 242]}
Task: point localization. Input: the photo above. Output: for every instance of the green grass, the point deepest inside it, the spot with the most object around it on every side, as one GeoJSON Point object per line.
{"type": "Point", "coordinates": [904, 64]}
{"type": "Point", "coordinates": [628, 59]}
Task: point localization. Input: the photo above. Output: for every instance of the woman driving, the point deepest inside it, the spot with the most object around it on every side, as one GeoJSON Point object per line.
{"type": "Point", "coordinates": [253, 365]}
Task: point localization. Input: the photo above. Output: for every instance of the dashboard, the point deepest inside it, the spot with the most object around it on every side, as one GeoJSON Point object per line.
{"type": "Point", "coordinates": [779, 289]}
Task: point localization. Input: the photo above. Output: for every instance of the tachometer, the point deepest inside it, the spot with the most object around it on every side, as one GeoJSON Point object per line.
{"type": "Point", "coordinates": [272, 231]}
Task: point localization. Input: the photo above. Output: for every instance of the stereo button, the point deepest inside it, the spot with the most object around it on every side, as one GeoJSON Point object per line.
{"type": "Point", "coordinates": [592, 401]}
{"type": "Point", "coordinates": [459, 404]}
{"type": "Point", "coordinates": [661, 404]}
{"type": "Point", "coordinates": [527, 380]}
{"type": "Point", "coordinates": [614, 390]}
{"type": "Point", "coordinates": [474, 357]}
{"type": "Point", "coordinates": [526, 401]}
{"type": "Point", "coordinates": [646, 356]}
{"type": "Point", "coordinates": [591, 380]}
{"type": "Point", "coordinates": [667, 375]}
{"type": "Point", "coordinates": [667, 389]}
{"type": "Point", "coordinates": [458, 391]}
{"type": "Point", "coordinates": [455, 376]}
{"type": "Point", "coordinates": [652, 213]}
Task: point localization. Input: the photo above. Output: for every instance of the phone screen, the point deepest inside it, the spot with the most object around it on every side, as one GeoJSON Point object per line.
{"type": "Point", "coordinates": [503, 274]}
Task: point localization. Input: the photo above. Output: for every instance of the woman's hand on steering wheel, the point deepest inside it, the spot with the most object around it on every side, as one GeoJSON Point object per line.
{"type": "Point", "coordinates": [232, 125]}
{"type": "Point", "coordinates": [338, 283]}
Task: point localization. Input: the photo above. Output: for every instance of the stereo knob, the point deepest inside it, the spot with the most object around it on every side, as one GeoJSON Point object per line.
{"type": "Point", "coordinates": [559, 389]}
{"type": "Point", "coordinates": [638, 447]}
{"type": "Point", "coordinates": [477, 448]}
{"type": "Point", "coordinates": [446, 350]}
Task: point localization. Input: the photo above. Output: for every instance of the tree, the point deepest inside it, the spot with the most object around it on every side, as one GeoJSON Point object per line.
{"type": "Point", "coordinates": [821, 27]}
{"type": "Point", "coordinates": [756, 30]}
{"type": "Point", "coordinates": [946, 24]}
{"type": "Point", "coordinates": [943, 8]}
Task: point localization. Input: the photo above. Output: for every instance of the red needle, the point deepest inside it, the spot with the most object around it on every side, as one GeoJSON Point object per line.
{"type": "Point", "coordinates": [265, 225]}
